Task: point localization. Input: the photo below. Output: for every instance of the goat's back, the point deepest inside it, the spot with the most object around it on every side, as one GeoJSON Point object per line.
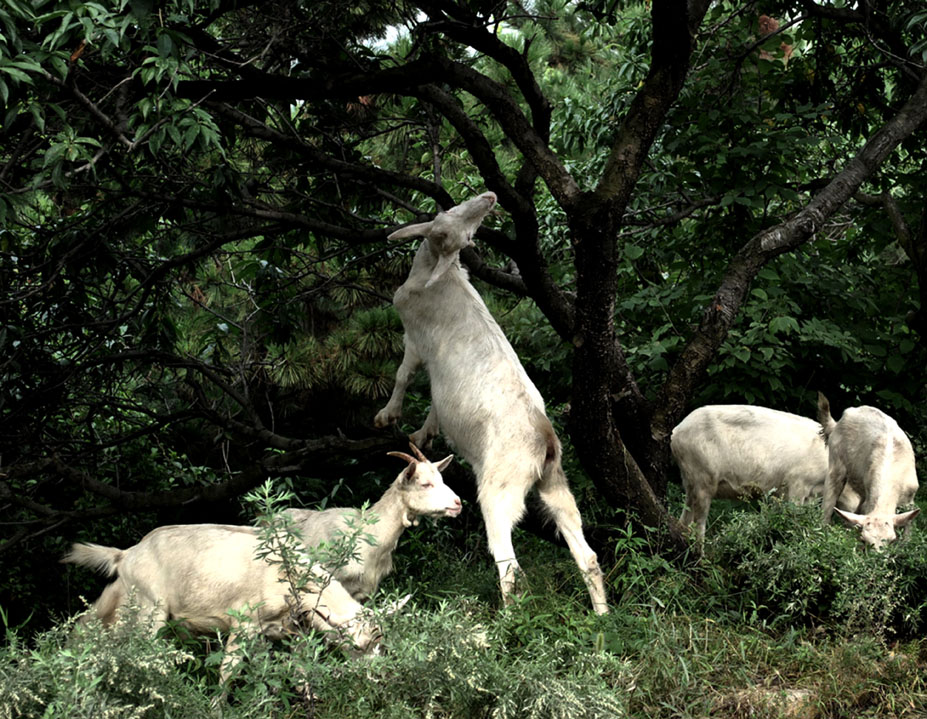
{"type": "Point", "coordinates": [734, 448]}
{"type": "Point", "coordinates": [877, 456]}
{"type": "Point", "coordinates": [318, 526]}
{"type": "Point", "coordinates": [480, 391]}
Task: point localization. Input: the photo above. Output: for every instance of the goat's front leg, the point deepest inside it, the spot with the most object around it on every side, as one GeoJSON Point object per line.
{"type": "Point", "coordinates": [407, 369]}
{"type": "Point", "coordinates": [230, 660]}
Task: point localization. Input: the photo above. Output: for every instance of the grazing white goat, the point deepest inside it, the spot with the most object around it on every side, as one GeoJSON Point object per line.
{"type": "Point", "coordinates": [418, 490]}
{"type": "Point", "coordinates": [482, 399]}
{"type": "Point", "coordinates": [729, 451]}
{"type": "Point", "coordinates": [211, 577]}
{"type": "Point", "coordinates": [871, 470]}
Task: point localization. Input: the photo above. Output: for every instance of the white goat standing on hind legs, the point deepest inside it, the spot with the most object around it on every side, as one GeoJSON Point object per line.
{"type": "Point", "coordinates": [482, 399]}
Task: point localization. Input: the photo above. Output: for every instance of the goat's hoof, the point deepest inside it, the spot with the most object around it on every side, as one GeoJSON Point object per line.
{"type": "Point", "coordinates": [422, 440]}
{"type": "Point", "coordinates": [384, 419]}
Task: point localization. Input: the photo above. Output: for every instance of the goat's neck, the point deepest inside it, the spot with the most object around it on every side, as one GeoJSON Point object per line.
{"type": "Point", "coordinates": [392, 520]}
{"type": "Point", "coordinates": [882, 490]}
{"type": "Point", "coordinates": [424, 263]}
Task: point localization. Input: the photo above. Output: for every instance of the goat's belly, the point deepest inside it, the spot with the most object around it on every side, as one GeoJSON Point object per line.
{"type": "Point", "coordinates": [742, 487]}
{"type": "Point", "coordinates": [203, 624]}
{"type": "Point", "coordinates": [477, 430]}
{"type": "Point", "coordinates": [739, 490]}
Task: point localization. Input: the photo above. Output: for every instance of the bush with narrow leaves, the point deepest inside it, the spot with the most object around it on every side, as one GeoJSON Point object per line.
{"type": "Point", "coordinates": [792, 570]}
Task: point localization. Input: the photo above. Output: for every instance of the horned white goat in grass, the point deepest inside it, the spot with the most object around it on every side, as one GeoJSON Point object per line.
{"type": "Point", "coordinates": [419, 490]}
{"type": "Point", "coordinates": [211, 577]}
{"type": "Point", "coordinates": [734, 450]}
{"type": "Point", "coordinates": [871, 471]}
{"type": "Point", "coordinates": [482, 399]}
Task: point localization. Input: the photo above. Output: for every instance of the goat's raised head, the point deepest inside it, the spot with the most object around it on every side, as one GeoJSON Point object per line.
{"type": "Point", "coordinates": [423, 489]}
{"type": "Point", "coordinates": [450, 231]}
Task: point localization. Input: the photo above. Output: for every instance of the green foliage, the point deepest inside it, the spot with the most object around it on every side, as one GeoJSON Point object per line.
{"type": "Point", "coordinates": [788, 570]}
{"type": "Point", "coordinates": [82, 671]}
{"type": "Point", "coordinates": [676, 644]}
{"type": "Point", "coordinates": [453, 661]}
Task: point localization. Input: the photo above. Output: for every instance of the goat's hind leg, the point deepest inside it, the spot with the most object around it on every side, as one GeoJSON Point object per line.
{"type": "Point", "coordinates": [559, 501]}
{"type": "Point", "coordinates": [422, 438]}
{"type": "Point", "coordinates": [502, 504]}
{"type": "Point", "coordinates": [833, 488]}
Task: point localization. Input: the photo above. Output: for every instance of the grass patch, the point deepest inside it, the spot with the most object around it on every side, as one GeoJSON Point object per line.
{"type": "Point", "coordinates": [783, 618]}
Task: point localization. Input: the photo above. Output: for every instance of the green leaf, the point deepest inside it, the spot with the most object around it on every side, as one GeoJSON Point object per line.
{"type": "Point", "coordinates": [785, 325]}
{"type": "Point", "coordinates": [189, 137]}
{"type": "Point", "coordinates": [53, 154]}
{"type": "Point", "coordinates": [767, 273]}
{"type": "Point", "coordinates": [165, 44]}
{"type": "Point", "coordinates": [16, 73]}
{"type": "Point", "coordinates": [632, 251]}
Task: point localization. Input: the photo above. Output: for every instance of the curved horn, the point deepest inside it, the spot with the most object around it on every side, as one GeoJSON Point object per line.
{"type": "Point", "coordinates": [418, 453]}
{"type": "Point", "coordinates": [403, 455]}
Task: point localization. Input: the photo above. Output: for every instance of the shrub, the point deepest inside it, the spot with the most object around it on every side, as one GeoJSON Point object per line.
{"type": "Point", "coordinates": [462, 661]}
{"type": "Point", "coordinates": [783, 566]}
{"type": "Point", "coordinates": [85, 672]}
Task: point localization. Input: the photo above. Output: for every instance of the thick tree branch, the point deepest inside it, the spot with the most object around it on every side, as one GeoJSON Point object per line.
{"type": "Point", "coordinates": [330, 86]}
{"type": "Point", "coordinates": [517, 128]}
{"type": "Point", "coordinates": [370, 174]}
{"type": "Point", "coordinates": [470, 34]}
{"type": "Point", "coordinates": [724, 308]}
{"type": "Point", "coordinates": [317, 457]}
{"type": "Point", "coordinates": [605, 392]}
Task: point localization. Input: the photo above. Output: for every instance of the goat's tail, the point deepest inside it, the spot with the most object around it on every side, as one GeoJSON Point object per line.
{"type": "Point", "coordinates": [102, 559]}
{"type": "Point", "coordinates": [548, 441]}
{"type": "Point", "coordinates": [824, 417]}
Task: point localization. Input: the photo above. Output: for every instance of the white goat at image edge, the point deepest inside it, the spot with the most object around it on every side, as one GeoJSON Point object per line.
{"type": "Point", "coordinates": [871, 472]}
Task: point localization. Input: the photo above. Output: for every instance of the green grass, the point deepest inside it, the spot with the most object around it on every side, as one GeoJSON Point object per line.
{"type": "Point", "coordinates": [781, 618]}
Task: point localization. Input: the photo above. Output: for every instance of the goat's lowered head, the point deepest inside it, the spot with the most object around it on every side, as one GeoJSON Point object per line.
{"type": "Point", "coordinates": [874, 530]}
{"type": "Point", "coordinates": [450, 231]}
{"type": "Point", "coordinates": [423, 489]}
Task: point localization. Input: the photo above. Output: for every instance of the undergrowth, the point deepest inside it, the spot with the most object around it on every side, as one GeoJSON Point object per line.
{"type": "Point", "coordinates": [781, 617]}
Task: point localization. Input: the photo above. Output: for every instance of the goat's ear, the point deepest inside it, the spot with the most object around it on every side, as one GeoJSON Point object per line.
{"type": "Point", "coordinates": [442, 465]}
{"type": "Point", "coordinates": [408, 476]}
{"type": "Point", "coordinates": [418, 230]}
{"type": "Point", "coordinates": [902, 519]}
{"type": "Point", "coordinates": [854, 519]}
